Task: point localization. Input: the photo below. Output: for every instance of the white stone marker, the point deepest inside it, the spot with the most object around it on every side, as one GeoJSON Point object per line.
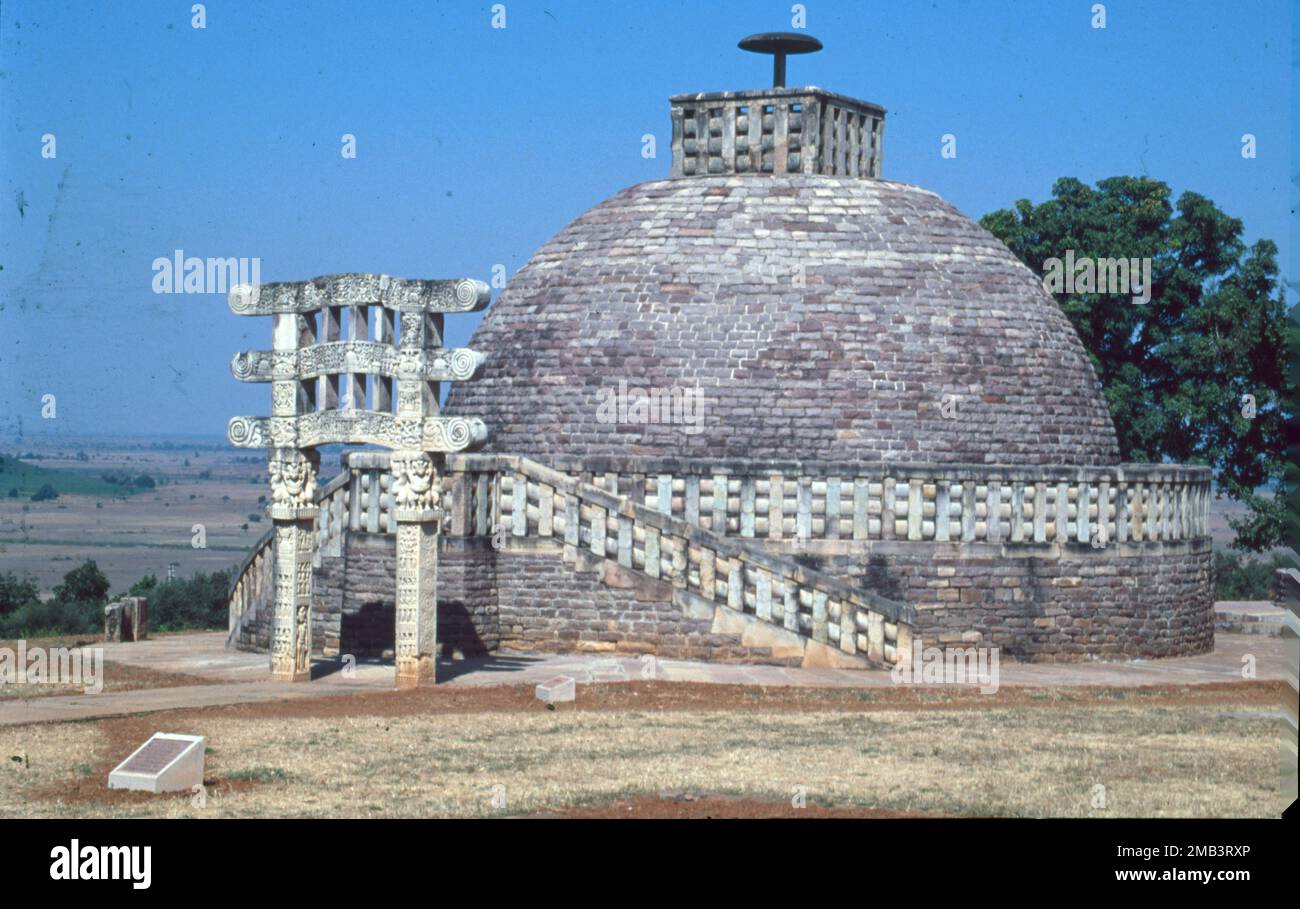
{"type": "Point", "coordinates": [559, 689]}
{"type": "Point", "coordinates": [168, 762]}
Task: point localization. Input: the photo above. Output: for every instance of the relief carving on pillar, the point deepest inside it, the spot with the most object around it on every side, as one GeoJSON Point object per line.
{"type": "Point", "coordinates": [415, 483]}
{"type": "Point", "coordinates": [293, 481]}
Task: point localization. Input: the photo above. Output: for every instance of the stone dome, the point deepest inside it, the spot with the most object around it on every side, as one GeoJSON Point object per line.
{"type": "Point", "coordinates": [822, 317]}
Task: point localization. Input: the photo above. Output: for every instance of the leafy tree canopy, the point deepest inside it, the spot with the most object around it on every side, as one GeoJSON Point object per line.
{"type": "Point", "coordinates": [85, 584]}
{"type": "Point", "coordinates": [1177, 370]}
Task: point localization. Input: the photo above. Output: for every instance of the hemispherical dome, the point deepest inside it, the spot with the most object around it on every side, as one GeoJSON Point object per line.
{"type": "Point", "coordinates": [826, 318]}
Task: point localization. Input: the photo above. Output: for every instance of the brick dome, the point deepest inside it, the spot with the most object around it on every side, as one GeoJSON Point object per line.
{"type": "Point", "coordinates": [822, 317]}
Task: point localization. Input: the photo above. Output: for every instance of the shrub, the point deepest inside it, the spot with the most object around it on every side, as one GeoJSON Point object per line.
{"type": "Point", "coordinates": [45, 493]}
{"type": "Point", "coordinates": [199, 602]}
{"type": "Point", "coordinates": [16, 594]}
{"type": "Point", "coordinates": [1236, 578]}
{"type": "Point", "coordinates": [53, 617]}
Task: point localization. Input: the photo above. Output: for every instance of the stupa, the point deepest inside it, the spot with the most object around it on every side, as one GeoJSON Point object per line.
{"type": "Point", "coordinates": [776, 407]}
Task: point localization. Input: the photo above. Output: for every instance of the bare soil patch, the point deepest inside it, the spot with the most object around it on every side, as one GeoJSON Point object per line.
{"type": "Point", "coordinates": [716, 807]}
{"type": "Point", "coordinates": [657, 696]}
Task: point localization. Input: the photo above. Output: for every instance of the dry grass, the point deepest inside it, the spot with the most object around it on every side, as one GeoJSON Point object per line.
{"type": "Point", "coordinates": [1192, 761]}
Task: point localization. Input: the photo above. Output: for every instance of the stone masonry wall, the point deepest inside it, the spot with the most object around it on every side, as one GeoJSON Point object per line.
{"type": "Point", "coordinates": [353, 598]}
{"type": "Point", "coordinates": [1048, 604]}
{"type": "Point", "coordinates": [1038, 604]}
{"type": "Point", "coordinates": [600, 607]}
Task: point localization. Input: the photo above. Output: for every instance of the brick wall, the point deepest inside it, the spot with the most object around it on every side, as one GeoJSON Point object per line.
{"type": "Point", "coordinates": [353, 598]}
{"type": "Point", "coordinates": [597, 606]}
{"type": "Point", "coordinates": [1037, 603]}
{"type": "Point", "coordinates": [1048, 604]}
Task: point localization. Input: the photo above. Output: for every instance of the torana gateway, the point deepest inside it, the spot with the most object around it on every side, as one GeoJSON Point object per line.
{"type": "Point", "coordinates": [772, 408]}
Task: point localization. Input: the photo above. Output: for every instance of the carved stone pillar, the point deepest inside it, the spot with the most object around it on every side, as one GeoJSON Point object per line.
{"type": "Point", "coordinates": [293, 512]}
{"type": "Point", "coordinates": [415, 506]}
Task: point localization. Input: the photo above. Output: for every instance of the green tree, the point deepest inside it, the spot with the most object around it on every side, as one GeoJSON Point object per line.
{"type": "Point", "coordinates": [16, 594]}
{"type": "Point", "coordinates": [199, 602]}
{"type": "Point", "coordinates": [1288, 494]}
{"type": "Point", "coordinates": [45, 493]}
{"type": "Point", "coordinates": [143, 587]}
{"type": "Point", "coordinates": [1176, 371]}
{"type": "Point", "coordinates": [1237, 578]}
{"type": "Point", "coordinates": [85, 584]}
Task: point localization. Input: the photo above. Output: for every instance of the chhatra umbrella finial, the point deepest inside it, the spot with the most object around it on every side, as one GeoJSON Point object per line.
{"type": "Point", "coordinates": [778, 44]}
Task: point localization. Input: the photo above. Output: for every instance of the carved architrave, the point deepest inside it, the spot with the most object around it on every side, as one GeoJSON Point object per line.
{"type": "Point", "coordinates": [361, 427]}
{"type": "Point", "coordinates": [454, 364]}
{"type": "Point", "coordinates": [405, 295]}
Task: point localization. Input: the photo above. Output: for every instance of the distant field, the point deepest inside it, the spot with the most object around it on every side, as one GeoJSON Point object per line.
{"type": "Point", "coordinates": [20, 479]}
{"type": "Point", "coordinates": [131, 532]}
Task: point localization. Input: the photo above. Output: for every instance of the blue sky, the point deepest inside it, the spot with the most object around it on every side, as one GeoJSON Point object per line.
{"type": "Point", "coordinates": [475, 144]}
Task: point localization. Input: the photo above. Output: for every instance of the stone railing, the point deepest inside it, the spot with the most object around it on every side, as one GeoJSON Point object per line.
{"type": "Point", "coordinates": [803, 501]}
{"type": "Point", "coordinates": [776, 131]}
{"type": "Point", "coordinates": [251, 589]}
{"type": "Point", "coordinates": [772, 588]}
{"type": "Point", "coordinates": [818, 503]}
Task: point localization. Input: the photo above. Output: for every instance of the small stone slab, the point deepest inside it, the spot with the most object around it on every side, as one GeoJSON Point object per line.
{"type": "Point", "coordinates": [560, 689]}
{"type": "Point", "coordinates": [168, 762]}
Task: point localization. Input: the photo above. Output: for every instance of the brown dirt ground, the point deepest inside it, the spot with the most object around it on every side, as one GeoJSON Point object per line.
{"type": "Point", "coordinates": [124, 734]}
{"type": "Point", "coordinates": [692, 807]}
{"type": "Point", "coordinates": [671, 696]}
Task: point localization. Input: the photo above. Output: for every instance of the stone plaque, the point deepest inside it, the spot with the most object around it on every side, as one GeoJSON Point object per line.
{"type": "Point", "coordinates": [168, 762]}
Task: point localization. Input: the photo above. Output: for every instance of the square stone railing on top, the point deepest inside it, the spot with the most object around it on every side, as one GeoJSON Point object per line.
{"type": "Point", "coordinates": [776, 131]}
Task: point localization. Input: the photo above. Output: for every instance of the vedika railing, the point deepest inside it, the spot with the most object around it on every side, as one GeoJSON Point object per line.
{"type": "Point", "coordinates": [735, 501]}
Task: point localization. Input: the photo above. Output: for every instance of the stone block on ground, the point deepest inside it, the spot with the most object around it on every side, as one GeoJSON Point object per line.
{"type": "Point", "coordinates": [558, 690]}
{"type": "Point", "coordinates": [113, 623]}
{"type": "Point", "coordinates": [135, 614]}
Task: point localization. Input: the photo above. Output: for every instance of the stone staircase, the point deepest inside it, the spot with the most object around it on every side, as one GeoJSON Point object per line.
{"type": "Point", "coordinates": [732, 587]}
{"type": "Point", "coordinates": [770, 600]}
